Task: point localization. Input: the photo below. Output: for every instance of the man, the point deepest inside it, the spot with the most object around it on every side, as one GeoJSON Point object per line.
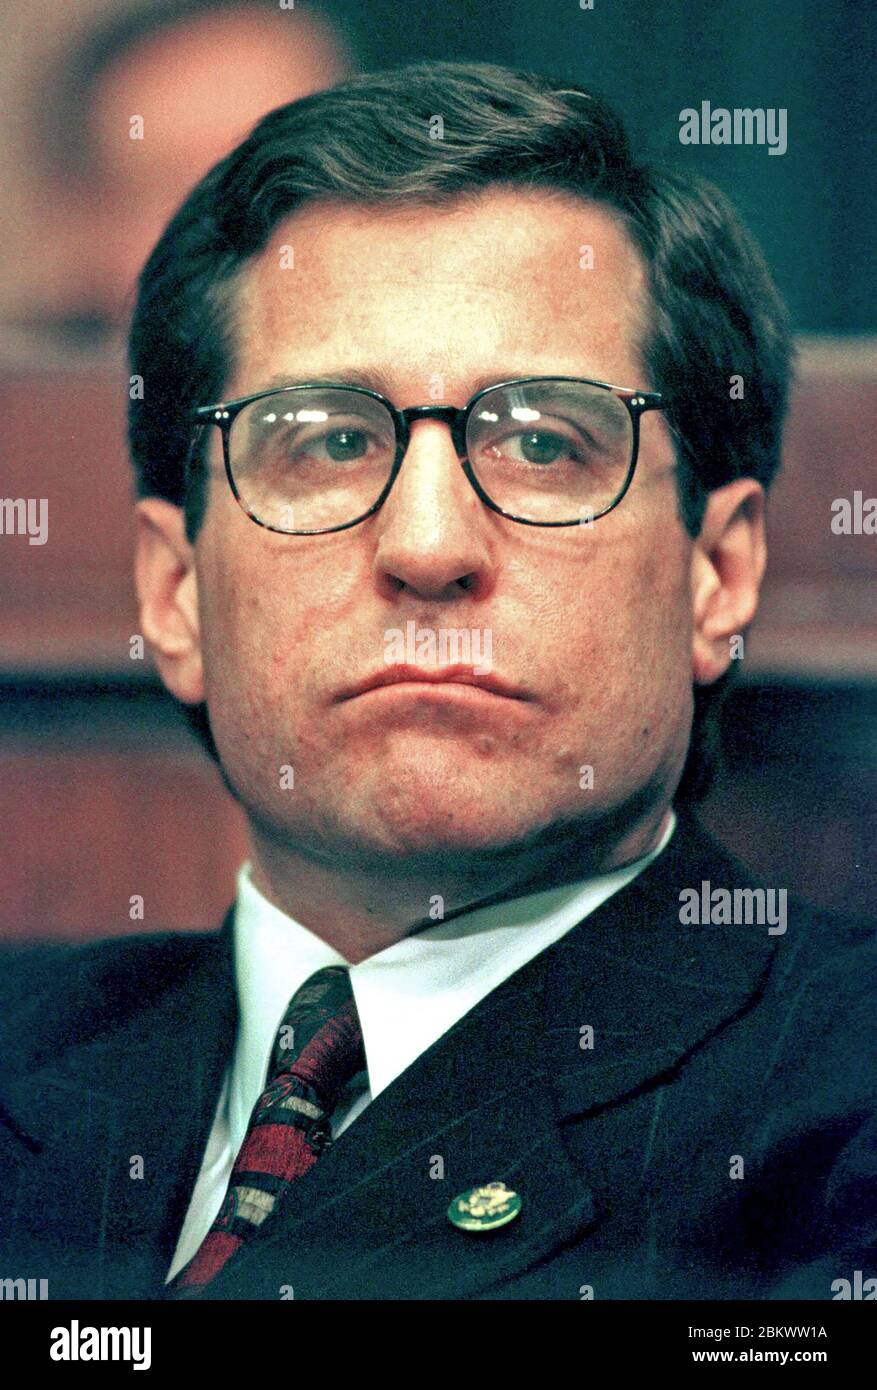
{"type": "Point", "coordinates": [448, 523]}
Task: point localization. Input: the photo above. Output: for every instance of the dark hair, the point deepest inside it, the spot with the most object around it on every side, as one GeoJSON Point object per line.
{"type": "Point", "coordinates": [714, 312]}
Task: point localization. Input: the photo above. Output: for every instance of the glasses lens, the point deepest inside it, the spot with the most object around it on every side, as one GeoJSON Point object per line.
{"type": "Point", "coordinates": [311, 458]}
{"type": "Point", "coordinates": [550, 450]}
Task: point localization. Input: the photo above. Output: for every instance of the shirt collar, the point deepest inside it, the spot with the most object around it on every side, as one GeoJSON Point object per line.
{"type": "Point", "coordinates": [410, 993]}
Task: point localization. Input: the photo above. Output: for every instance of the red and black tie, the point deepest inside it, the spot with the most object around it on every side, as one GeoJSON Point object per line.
{"type": "Point", "coordinates": [317, 1052]}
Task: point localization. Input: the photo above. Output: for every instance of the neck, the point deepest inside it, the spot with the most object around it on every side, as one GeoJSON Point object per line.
{"type": "Point", "coordinates": [360, 904]}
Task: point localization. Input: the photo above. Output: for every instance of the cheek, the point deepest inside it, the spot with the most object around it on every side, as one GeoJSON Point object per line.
{"type": "Point", "coordinates": [657, 599]}
{"type": "Point", "coordinates": [624, 639]}
{"type": "Point", "coordinates": [657, 644]}
{"type": "Point", "coordinates": [271, 615]}
{"type": "Point", "coordinates": [247, 633]}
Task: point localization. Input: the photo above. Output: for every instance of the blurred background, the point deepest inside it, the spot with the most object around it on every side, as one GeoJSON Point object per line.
{"type": "Point", "coordinates": [103, 792]}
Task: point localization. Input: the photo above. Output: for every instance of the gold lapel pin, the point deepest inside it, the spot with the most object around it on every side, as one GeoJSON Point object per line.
{"type": "Point", "coordinates": [484, 1208]}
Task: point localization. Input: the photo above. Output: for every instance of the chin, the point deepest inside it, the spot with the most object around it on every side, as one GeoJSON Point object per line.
{"type": "Point", "coordinates": [442, 825]}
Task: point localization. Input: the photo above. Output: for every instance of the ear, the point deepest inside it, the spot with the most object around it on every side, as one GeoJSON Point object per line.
{"type": "Point", "coordinates": [727, 565]}
{"type": "Point", "coordinates": [167, 591]}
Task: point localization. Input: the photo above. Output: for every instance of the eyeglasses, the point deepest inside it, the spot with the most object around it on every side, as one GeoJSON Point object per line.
{"type": "Point", "coordinates": [543, 451]}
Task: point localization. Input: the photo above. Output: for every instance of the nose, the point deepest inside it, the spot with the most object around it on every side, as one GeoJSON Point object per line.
{"type": "Point", "coordinates": [433, 531]}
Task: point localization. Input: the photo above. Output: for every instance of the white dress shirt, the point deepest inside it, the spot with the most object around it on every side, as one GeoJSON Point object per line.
{"type": "Point", "coordinates": [407, 996]}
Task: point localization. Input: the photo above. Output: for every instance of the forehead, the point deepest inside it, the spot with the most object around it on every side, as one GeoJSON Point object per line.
{"type": "Point", "coordinates": [524, 280]}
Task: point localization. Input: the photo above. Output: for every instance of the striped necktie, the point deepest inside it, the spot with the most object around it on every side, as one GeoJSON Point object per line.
{"type": "Point", "coordinates": [317, 1052]}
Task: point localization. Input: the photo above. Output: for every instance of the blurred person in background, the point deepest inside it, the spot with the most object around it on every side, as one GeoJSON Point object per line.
{"type": "Point", "coordinates": [126, 118]}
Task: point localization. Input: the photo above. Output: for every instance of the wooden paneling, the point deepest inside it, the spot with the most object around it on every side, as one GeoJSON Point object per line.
{"type": "Point", "coordinates": [101, 798]}
{"type": "Point", "coordinates": [818, 614]}
{"type": "Point", "coordinates": [68, 604]}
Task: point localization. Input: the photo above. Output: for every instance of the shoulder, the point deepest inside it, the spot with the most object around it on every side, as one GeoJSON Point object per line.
{"type": "Point", "coordinates": [825, 971]}
{"type": "Point", "coordinates": [699, 852]}
{"type": "Point", "coordinates": [81, 988]}
{"type": "Point", "coordinates": [821, 993]}
{"type": "Point", "coordinates": [823, 967]}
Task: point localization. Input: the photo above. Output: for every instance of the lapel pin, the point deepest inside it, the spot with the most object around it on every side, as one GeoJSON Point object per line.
{"type": "Point", "coordinates": [484, 1208]}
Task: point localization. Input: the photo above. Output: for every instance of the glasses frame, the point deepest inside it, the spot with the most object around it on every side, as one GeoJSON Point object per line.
{"type": "Point", "coordinates": [224, 413]}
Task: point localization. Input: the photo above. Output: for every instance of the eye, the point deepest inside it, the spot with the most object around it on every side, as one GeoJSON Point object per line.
{"type": "Point", "coordinates": [344, 444]}
{"type": "Point", "coordinates": [569, 428]}
{"type": "Point", "coordinates": [541, 446]}
{"type": "Point", "coordinates": [344, 441]}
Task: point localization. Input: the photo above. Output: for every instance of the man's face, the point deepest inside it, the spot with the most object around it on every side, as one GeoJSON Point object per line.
{"type": "Point", "coordinates": [591, 625]}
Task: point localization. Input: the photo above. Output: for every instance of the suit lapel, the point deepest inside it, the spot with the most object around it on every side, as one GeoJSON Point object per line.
{"type": "Point", "coordinates": [112, 1125]}
{"type": "Point", "coordinates": [369, 1219]}
{"type": "Point", "coordinates": [653, 989]}
{"type": "Point", "coordinates": [493, 1098]}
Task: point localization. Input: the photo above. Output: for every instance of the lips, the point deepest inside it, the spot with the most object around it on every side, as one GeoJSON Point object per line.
{"type": "Point", "coordinates": [443, 675]}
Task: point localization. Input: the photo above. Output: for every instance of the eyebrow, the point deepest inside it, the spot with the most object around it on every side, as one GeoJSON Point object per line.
{"type": "Point", "coordinates": [369, 379]}
{"type": "Point", "coordinates": [373, 379]}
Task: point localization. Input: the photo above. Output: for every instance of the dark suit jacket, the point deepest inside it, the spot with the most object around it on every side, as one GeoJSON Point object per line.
{"type": "Point", "coordinates": [712, 1044]}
